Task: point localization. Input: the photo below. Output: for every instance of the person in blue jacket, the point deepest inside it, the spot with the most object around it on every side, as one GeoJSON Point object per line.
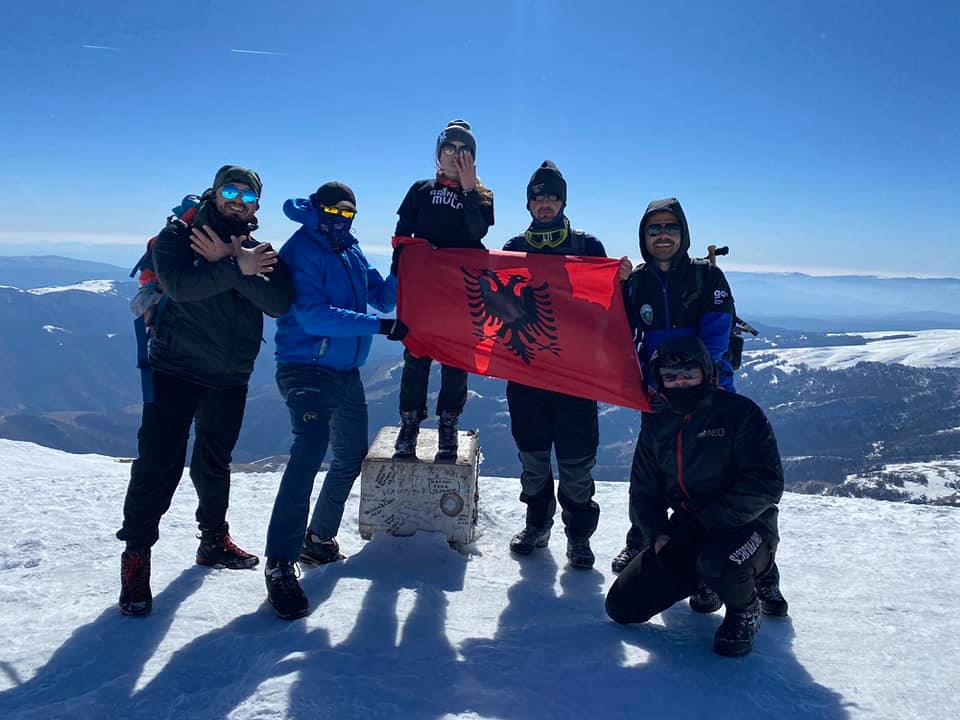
{"type": "Point", "coordinates": [321, 343]}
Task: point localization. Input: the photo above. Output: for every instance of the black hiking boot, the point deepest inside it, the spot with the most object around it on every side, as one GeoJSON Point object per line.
{"type": "Point", "coordinates": [283, 590]}
{"type": "Point", "coordinates": [704, 600]}
{"type": "Point", "coordinates": [524, 542]}
{"type": "Point", "coordinates": [217, 549]}
{"type": "Point", "coordinates": [447, 436]}
{"type": "Point", "coordinates": [735, 635]}
{"type": "Point", "coordinates": [320, 550]}
{"type": "Point", "coordinates": [772, 601]}
{"type": "Point", "coordinates": [579, 553]}
{"type": "Point", "coordinates": [135, 596]}
{"type": "Point", "coordinates": [624, 558]}
{"type": "Point", "coordinates": [406, 444]}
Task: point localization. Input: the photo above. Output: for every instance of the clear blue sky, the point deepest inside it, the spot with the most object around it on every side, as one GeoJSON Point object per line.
{"type": "Point", "coordinates": [815, 135]}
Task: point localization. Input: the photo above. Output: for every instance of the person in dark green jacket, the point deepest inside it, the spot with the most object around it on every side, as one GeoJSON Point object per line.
{"type": "Point", "coordinates": [712, 459]}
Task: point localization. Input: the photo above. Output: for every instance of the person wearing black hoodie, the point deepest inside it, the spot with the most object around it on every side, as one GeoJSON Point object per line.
{"type": "Point", "coordinates": [712, 459]}
{"type": "Point", "coordinates": [217, 284]}
{"type": "Point", "coordinates": [451, 210]}
{"type": "Point", "coordinates": [672, 295]}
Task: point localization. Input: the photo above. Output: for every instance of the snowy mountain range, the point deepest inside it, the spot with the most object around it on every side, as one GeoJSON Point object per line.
{"type": "Point", "coordinates": [845, 405]}
{"type": "Point", "coordinates": [408, 628]}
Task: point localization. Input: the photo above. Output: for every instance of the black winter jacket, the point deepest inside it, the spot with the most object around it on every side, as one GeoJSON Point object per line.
{"type": "Point", "coordinates": [210, 327]}
{"type": "Point", "coordinates": [720, 464]}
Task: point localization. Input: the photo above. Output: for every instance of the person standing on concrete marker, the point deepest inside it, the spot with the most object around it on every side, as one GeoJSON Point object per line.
{"type": "Point", "coordinates": [541, 419]}
{"type": "Point", "coordinates": [321, 343]}
{"type": "Point", "coordinates": [217, 284]}
{"type": "Point", "coordinates": [711, 458]}
{"type": "Point", "coordinates": [673, 295]}
{"type": "Point", "coordinates": [452, 210]}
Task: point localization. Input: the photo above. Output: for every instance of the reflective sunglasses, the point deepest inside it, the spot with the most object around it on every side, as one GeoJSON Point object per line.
{"type": "Point", "coordinates": [663, 229]}
{"type": "Point", "coordinates": [546, 238]}
{"type": "Point", "coordinates": [450, 149]}
{"type": "Point", "coordinates": [342, 212]}
{"type": "Point", "coordinates": [548, 198]}
{"type": "Point", "coordinates": [230, 192]}
{"type": "Point", "coordinates": [687, 371]}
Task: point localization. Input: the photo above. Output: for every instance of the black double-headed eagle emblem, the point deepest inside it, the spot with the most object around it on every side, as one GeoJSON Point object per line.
{"type": "Point", "coordinates": [515, 313]}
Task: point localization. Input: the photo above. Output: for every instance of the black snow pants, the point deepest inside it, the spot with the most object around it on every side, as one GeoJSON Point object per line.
{"type": "Point", "coordinates": [541, 420]}
{"type": "Point", "coordinates": [728, 562]}
{"type": "Point", "coordinates": [162, 449]}
{"type": "Point", "coordinates": [414, 381]}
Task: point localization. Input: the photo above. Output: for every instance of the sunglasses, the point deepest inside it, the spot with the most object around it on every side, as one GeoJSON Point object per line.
{"type": "Point", "coordinates": [663, 229]}
{"type": "Point", "coordinates": [547, 198]}
{"type": "Point", "coordinates": [682, 372]}
{"type": "Point", "coordinates": [231, 192]}
{"type": "Point", "coordinates": [342, 212]}
{"type": "Point", "coordinates": [451, 149]}
{"type": "Point", "coordinates": [546, 238]}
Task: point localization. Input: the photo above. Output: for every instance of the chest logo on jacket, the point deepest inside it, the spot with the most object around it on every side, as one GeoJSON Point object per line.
{"type": "Point", "coordinates": [512, 312]}
{"type": "Point", "coordinates": [712, 433]}
{"type": "Point", "coordinates": [719, 296]}
{"type": "Point", "coordinates": [646, 314]}
{"type": "Point", "coordinates": [446, 196]}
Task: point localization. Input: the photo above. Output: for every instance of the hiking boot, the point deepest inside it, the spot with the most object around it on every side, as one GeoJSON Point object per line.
{"type": "Point", "coordinates": [406, 444]}
{"type": "Point", "coordinates": [624, 557]}
{"type": "Point", "coordinates": [705, 600]}
{"type": "Point", "coordinates": [320, 550]}
{"type": "Point", "coordinates": [524, 542]}
{"type": "Point", "coordinates": [135, 596]}
{"type": "Point", "coordinates": [447, 436]}
{"type": "Point", "coordinates": [772, 601]}
{"type": "Point", "coordinates": [579, 553]}
{"type": "Point", "coordinates": [735, 635]}
{"type": "Point", "coordinates": [217, 549]}
{"type": "Point", "coordinates": [283, 589]}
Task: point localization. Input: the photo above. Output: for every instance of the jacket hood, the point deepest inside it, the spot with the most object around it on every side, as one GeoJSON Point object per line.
{"type": "Point", "coordinates": [303, 211]}
{"type": "Point", "coordinates": [668, 205]}
{"type": "Point", "coordinates": [689, 345]}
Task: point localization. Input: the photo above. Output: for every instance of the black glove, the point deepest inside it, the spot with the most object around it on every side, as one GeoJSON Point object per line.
{"type": "Point", "coordinates": [395, 262]}
{"type": "Point", "coordinates": [393, 329]}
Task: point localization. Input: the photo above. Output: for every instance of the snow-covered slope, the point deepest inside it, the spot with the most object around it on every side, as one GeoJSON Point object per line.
{"type": "Point", "coordinates": [920, 348]}
{"type": "Point", "coordinates": [407, 628]}
{"type": "Point", "coordinates": [100, 287]}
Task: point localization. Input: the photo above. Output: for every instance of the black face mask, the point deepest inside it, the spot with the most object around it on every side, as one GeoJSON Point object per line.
{"type": "Point", "coordinates": [684, 401]}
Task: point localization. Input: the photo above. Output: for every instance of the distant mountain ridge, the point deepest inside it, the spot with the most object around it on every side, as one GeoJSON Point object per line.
{"type": "Point", "coordinates": [70, 381]}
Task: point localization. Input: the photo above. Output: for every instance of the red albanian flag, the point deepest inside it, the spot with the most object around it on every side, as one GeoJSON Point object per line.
{"type": "Point", "coordinates": [554, 322]}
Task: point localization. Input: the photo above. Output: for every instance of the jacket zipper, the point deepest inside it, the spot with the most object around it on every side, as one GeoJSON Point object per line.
{"type": "Point", "coordinates": [356, 300]}
{"type": "Point", "coordinates": [683, 487]}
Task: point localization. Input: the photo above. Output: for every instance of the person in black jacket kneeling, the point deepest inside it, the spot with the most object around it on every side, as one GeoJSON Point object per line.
{"type": "Point", "coordinates": [711, 458]}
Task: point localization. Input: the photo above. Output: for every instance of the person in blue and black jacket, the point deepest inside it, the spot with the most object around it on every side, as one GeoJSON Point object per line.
{"type": "Point", "coordinates": [321, 343]}
{"type": "Point", "coordinates": [672, 295]}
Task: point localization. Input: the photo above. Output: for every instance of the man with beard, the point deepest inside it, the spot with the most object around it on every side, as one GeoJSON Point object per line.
{"type": "Point", "coordinates": [673, 295]}
{"type": "Point", "coordinates": [711, 458]}
{"type": "Point", "coordinates": [541, 419]}
{"type": "Point", "coordinates": [217, 282]}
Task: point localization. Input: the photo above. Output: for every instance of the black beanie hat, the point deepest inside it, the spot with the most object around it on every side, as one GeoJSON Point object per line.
{"type": "Point", "coordinates": [547, 180]}
{"type": "Point", "coordinates": [458, 130]}
{"type": "Point", "coordinates": [332, 193]}
{"type": "Point", "coordinates": [236, 173]}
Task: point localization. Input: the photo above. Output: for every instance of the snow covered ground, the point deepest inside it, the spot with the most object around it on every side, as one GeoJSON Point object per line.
{"type": "Point", "coordinates": [408, 628]}
{"type": "Point", "coordinates": [917, 348]}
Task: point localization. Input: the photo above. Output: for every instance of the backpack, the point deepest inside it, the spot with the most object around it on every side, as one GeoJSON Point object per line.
{"type": "Point", "coordinates": [734, 352]}
{"type": "Point", "coordinates": [149, 301]}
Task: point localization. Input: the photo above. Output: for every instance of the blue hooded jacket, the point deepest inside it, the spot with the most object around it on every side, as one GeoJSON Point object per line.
{"type": "Point", "coordinates": [328, 324]}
